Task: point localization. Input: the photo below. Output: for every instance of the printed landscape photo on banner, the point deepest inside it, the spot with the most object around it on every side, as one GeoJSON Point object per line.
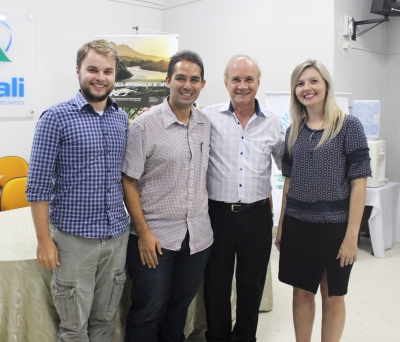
{"type": "Point", "coordinates": [141, 73]}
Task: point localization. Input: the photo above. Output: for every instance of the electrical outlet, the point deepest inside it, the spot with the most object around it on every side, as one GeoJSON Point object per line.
{"type": "Point", "coordinates": [346, 46]}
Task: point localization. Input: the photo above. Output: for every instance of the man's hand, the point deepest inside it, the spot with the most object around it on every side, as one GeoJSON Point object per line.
{"type": "Point", "coordinates": [144, 110]}
{"type": "Point", "coordinates": [47, 254]}
{"type": "Point", "coordinates": [148, 248]}
{"type": "Point", "coordinates": [148, 243]}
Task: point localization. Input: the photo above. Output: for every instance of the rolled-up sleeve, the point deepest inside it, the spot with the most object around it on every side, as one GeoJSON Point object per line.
{"type": "Point", "coordinates": [45, 147]}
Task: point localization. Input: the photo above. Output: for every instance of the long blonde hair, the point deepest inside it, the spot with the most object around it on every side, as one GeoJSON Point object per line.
{"type": "Point", "coordinates": [333, 115]}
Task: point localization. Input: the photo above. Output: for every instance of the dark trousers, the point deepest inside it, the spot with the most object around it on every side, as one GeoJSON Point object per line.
{"type": "Point", "coordinates": [248, 235]}
{"type": "Point", "coordinates": [161, 296]}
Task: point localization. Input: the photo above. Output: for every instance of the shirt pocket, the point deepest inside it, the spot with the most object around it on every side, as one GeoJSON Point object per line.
{"type": "Point", "coordinates": [259, 155]}
{"type": "Point", "coordinates": [81, 142]}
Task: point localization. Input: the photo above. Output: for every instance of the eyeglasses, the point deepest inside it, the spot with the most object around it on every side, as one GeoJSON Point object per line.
{"type": "Point", "coordinates": [237, 80]}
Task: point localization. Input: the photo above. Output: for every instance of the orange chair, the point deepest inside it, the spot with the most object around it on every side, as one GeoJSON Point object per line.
{"type": "Point", "coordinates": [11, 167]}
{"type": "Point", "coordinates": [13, 194]}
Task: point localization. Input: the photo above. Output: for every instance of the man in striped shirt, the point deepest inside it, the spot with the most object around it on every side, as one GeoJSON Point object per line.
{"type": "Point", "coordinates": [244, 138]}
{"type": "Point", "coordinates": [164, 181]}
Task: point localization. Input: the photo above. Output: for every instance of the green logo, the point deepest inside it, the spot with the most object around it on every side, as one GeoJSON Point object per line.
{"type": "Point", "coordinates": [3, 56]}
{"type": "Point", "coordinates": [280, 178]}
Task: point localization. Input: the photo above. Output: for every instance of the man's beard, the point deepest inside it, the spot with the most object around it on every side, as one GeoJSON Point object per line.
{"type": "Point", "coordinates": [88, 94]}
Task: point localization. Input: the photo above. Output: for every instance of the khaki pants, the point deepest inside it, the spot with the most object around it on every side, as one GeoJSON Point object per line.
{"type": "Point", "coordinates": [87, 286]}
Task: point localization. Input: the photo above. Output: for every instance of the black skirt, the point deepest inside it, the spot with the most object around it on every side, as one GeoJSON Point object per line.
{"type": "Point", "coordinates": [307, 250]}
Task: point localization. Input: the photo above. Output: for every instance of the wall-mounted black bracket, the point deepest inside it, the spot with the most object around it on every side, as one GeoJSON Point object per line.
{"type": "Point", "coordinates": [363, 22]}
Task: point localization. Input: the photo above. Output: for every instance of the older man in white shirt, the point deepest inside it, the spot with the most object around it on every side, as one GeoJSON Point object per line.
{"type": "Point", "coordinates": [244, 137]}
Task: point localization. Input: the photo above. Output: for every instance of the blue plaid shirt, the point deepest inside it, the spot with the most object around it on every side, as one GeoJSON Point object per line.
{"type": "Point", "coordinates": [76, 164]}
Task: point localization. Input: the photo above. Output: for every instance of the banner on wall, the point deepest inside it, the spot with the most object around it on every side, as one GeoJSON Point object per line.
{"type": "Point", "coordinates": [17, 64]}
{"type": "Point", "coordinates": [279, 104]}
{"type": "Point", "coordinates": [140, 79]}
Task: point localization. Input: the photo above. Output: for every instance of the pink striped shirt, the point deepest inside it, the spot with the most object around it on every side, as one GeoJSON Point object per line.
{"type": "Point", "coordinates": [170, 162]}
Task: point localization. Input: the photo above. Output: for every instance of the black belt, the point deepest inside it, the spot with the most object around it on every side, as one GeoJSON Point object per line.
{"type": "Point", "coordinates": [238, 207]}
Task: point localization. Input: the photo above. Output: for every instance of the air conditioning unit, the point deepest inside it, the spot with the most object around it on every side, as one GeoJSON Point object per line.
{"type": "Point", "coordinates": [385, 7]}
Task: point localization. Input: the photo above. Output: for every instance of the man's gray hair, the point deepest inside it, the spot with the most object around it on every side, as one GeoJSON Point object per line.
{"type": "Point", "coordinates": [235, 57]}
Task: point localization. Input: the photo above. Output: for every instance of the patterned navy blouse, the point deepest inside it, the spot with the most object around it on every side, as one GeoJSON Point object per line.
{"type": "Point", "coordinates": [320, 178]}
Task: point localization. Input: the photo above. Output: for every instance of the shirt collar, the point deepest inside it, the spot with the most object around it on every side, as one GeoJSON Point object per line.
{"type": "Point", "coordinates": [82, 102]}
{"type": "Point", "coordinates": [227, 107]}
{"type": "Point", "coordinates": [169, 117]}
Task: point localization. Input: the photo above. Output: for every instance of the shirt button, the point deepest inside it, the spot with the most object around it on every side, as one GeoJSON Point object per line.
{"type": "Point", "coordinates": [190, 202]}
{"type": "Point", "coordinates": [241, 153]}
{"type": "Point", "coordinates": [242, 137]}
{"type": "Point", "coordinates": [238, 123]}
{"type": "Point", "coordinates": [241, 169]}
{"type": "Point", "coordinates": [240, 185]}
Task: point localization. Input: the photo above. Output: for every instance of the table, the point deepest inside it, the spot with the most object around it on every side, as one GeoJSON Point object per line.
{"type": "Point", "coordinates": [27, 312]}
{"type": "Point", "coordinates": [384, 223]}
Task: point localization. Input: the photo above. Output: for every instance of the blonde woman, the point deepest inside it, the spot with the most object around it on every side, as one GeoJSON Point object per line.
{"type": "Point", "coordinates": [326, 164]}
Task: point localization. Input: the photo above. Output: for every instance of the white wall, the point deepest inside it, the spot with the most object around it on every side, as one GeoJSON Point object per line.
{"type": "Point", "coordinates": [370, 71]}
{"type": "Point", "coordinates": [278, 34]}
{"type": "Point", "coordinates": [391, 123]}
{"type": "Point", "coordinates": [61, 28]}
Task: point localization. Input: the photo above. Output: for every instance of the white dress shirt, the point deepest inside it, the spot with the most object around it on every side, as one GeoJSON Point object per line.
{"type": "Point", "coordinates": [240, 158]}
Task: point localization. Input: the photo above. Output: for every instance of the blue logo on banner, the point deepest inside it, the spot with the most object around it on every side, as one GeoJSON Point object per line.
{"type": "Point", "coordinates": [3, 56]}
{"type": "Point", "coordinates": [13, 89]}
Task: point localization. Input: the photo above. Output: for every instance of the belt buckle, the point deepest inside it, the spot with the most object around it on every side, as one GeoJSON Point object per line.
{"type": "Point", "coordinates": [233, 208]}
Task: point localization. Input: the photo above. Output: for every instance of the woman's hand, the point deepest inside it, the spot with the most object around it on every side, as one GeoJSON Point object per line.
{"type": "Point", "coordinates": [347, 254]}
{"type": "Point", "coordinates": [278, 237]}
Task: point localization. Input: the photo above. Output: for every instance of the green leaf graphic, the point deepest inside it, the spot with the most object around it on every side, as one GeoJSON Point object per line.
{"type": "Point", "coordinates": [3, 57]}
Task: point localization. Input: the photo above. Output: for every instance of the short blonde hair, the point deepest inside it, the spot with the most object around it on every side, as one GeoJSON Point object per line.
{"type": "Point", "coordinates": [333, 115]}
{"type": "Point", "coordinates": [101, 46]}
